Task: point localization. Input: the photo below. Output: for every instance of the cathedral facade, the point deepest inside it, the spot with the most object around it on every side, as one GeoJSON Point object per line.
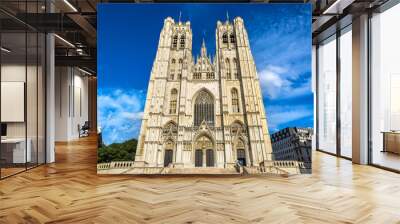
{"type": "Point", "coordinates": [204, 111]}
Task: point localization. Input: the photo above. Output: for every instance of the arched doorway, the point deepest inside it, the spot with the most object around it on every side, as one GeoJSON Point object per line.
{"type": "Point", "coordinates": [168, 155]}
{"type": "Point", "coordinates": [198, 158]}
{"type": "Point", "coordinates": [169, 147]}
{"type": "Point", "coordinates": [209, 157]}
{"type": "Point", "coordinates": [241, 151]}
{"type": "Point", "coordinates": [204, 151]}
{"type": "Point", "coordinates": [241, 156]}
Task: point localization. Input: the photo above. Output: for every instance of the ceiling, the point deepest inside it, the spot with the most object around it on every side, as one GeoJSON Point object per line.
{"type": "Point", "coordinates": [75, 22]}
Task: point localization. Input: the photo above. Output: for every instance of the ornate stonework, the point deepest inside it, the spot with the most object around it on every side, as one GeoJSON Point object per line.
{"type": "Point", "coordinates": [203, 112]}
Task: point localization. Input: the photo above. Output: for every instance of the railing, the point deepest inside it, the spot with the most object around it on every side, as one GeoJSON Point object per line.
{"type": "Point", "coordinates": [262, 170]}
{"type": "Point", "coordinates": [122, 164]}
{"type": "Point", "coordinates": [286, 164]}
{"type": "Point", "coordinates": [103, 166]}
{"type": "Point", "coordinates": [115, 165]}
{"type": "Point", "coordinates": [266, 167]}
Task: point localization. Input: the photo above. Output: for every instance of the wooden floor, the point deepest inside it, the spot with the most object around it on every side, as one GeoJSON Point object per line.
{"type": "Point", "coordinates": [386, 159]}
{"type": "Point", "coordinates": [5, 172]}
{"type": "Point", "coordinates": [69, 191]}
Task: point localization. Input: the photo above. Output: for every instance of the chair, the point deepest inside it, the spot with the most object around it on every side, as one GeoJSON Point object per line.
{"type": "Point", "coordinates": [84, 130]}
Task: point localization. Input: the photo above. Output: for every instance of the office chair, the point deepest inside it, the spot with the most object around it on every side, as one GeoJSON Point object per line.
{"type": "Point", "coordinates": [84, 130]}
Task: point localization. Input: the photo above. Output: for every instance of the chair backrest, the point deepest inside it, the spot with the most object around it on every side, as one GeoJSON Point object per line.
{"type": "Point", "coordinates": [86, 124]}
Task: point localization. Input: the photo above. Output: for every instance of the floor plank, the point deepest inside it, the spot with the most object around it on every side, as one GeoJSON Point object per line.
{"type": "Point", "coordinates": [70, 191]}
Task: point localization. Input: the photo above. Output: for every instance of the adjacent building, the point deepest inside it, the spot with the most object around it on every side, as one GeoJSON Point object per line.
{"type": "Point", "coordinates": [293, 144]}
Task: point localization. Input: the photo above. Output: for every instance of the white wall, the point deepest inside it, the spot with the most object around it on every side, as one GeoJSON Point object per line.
{"type": "Point", "coordinates": [17, 73]}
{"type": "Point", "coordinates": [33, 125]}
{"type": "Point", "coordinates": [13, 100]}
{"type": "Point", "coordinates": [71, 103]}
{"type": "Point", "coordinates": [61, 103]}
{"type": "Point", "coordinates": [13, 73]}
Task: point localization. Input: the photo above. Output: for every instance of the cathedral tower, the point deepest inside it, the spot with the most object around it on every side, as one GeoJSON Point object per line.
{"type": "Point", "coordinates": [170, 66]}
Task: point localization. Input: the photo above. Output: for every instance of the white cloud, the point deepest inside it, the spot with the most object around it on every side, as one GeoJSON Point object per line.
{"type": "Point", "coordinates": [282, 51]}
{"type": "Point", "coordinates": [278, 116]}
{"type": "Point", "coordinates": [120, 113]}
{"type": "Point", "coordinates": [276, 83]}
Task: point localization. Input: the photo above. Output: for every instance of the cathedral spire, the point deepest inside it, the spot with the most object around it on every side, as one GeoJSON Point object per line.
{"type": "Point", "coordinates": [203, 49]}
{"type": "Point", "coordinates": [227, 16]}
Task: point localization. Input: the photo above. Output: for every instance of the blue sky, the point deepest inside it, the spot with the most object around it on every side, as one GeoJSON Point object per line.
{"type": "Point", "coordinates": [280, 39]}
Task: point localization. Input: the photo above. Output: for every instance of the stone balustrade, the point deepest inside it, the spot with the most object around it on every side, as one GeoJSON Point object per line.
{"type": "Point", "coordinates": [115, 165]}
{"type": "Point", "coordinates": [266, 167]}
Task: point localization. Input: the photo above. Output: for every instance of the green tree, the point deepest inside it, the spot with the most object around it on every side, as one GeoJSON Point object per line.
{"type": "Point", "coordinates": [124, 151]}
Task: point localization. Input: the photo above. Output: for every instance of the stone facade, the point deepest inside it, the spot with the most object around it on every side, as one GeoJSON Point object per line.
{"type": "Point", "coordinates": [203, 112]}
{"type": "Point", "coordinates": [293, 144]}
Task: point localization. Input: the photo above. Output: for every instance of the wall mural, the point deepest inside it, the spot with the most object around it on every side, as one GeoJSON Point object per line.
{"type": "Point", "coordinates": [204, 89]}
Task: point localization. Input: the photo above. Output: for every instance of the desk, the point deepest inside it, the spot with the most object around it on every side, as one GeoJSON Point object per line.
{"type": "Point", "coordinates": [15, 148]}
{"type": "Point", "coordinates": [391, 141]}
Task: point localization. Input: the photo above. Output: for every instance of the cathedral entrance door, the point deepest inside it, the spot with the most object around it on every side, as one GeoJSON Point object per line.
{"type": "Point", "coordinates": [241, 157]}
{"type": "Point", "coordinates": [198, 158]}
{"type": "Point", "coordinates": [210, 157]}
{"type": "Point", "coordinates": [168, 157]}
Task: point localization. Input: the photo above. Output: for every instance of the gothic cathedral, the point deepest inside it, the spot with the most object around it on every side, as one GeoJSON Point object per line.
{"type": "Point", "coordinates": [203, 112]}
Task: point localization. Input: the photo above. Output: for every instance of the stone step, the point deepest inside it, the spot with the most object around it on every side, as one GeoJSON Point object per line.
{"type": "Point", "coordinates": [200, 170]}
{"type": "Point", "coordinates": [265, 171]}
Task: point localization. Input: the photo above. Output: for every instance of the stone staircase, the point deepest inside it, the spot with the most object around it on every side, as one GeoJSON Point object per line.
{"type": "Point", "coordinates": [201, 170]}
{"type": "Point", "coordinates": [265, 171]}
{"type": "Point", "coordinates": [145, 170]}
{"type": "Point", "coordinates": [127, 167]}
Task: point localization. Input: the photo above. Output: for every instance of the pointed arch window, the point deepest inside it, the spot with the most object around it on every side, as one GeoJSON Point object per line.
{"type": "Point", "coordinates": [233, 39]}
{"type": "Point", "coordinates": [235, 68]}
{"type": "Point", "coordinates": [182, 41]}
{"type": "Point", "coordinates": [197, 75]}
{"type": "Point", "coordinates": [173, 100]}
{"type": "Point", "coordinates": [175, 41]}
{"type": "Point", "coordinates": [225, 38]}
{"type": "Point", "coordinates": [228, 68]}
{"type": "Point", "coordinates": [235, 100]}
{"type": "Point", "coordinates": [173, 61]}
{"type": "Point", "coordinates": [171, 76]}
{"type": "Point", "coordinates": [204, 109]}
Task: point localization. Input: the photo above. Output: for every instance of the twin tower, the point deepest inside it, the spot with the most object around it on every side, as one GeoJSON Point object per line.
{"type": "Point", "coordinates": [203, 112]}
